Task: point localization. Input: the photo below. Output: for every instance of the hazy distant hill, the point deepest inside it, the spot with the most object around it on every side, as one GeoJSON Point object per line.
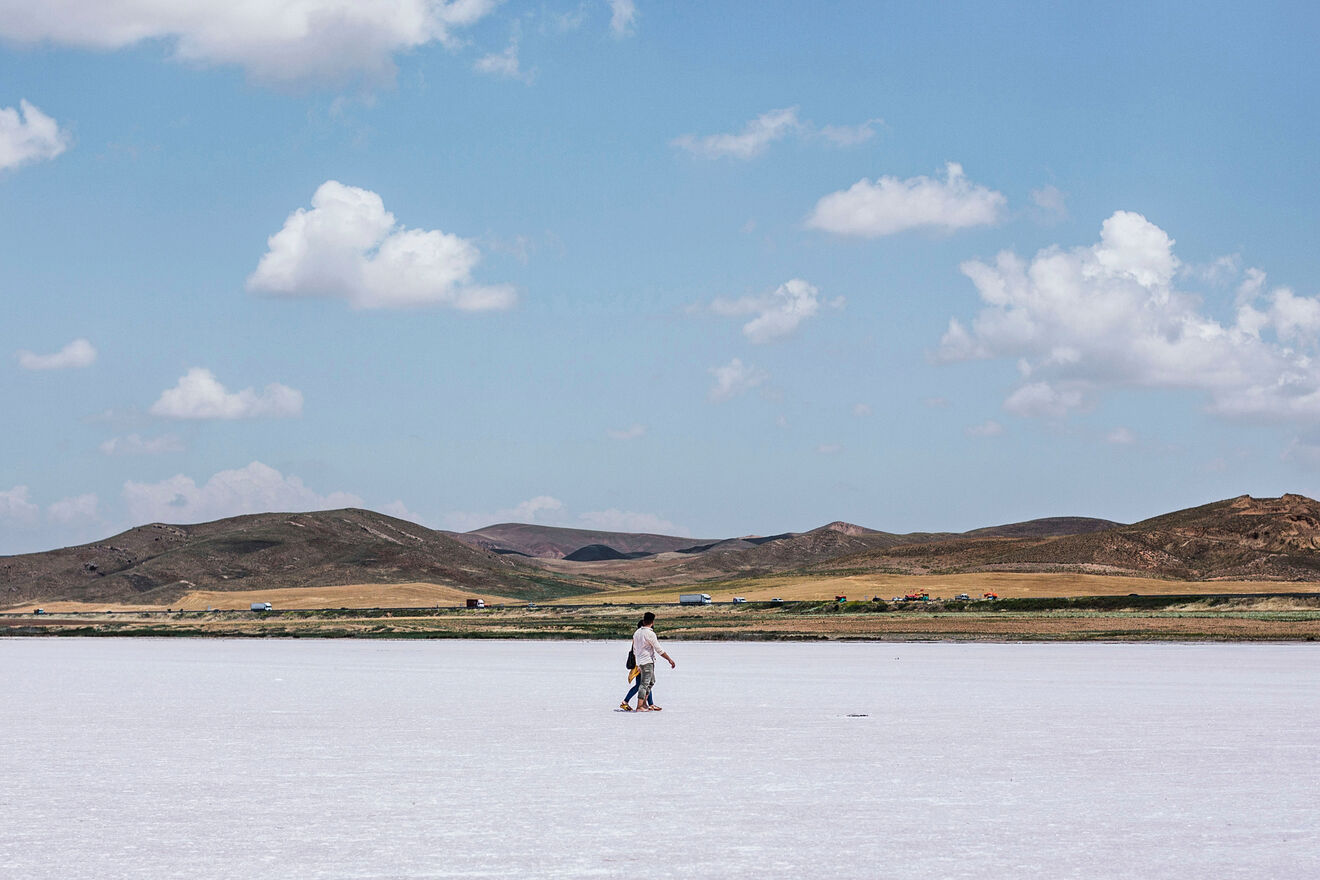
{"type": "Point", "coordinates": [157, 563]}
{"type": "Point", "coordinates": [554, 542]}
{"type": "Point", "coordinates": [1049, 527]}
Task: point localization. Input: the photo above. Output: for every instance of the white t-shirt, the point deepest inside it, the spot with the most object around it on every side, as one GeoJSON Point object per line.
{"type": "Point", "coordinates": [645, 645]}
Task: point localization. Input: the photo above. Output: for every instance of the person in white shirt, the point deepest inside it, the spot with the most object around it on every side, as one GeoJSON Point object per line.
{"type": "Point", "coordinates": [645, 648]}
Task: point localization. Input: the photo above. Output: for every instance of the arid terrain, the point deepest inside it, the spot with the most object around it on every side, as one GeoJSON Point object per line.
{"type": "Point", "coordinates": [1243, 618]}
{"type": "Point", "coordinates": [200, 579]}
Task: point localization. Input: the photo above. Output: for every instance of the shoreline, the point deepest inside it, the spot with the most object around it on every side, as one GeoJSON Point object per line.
{"type": "Point", "coordinates": [1213, 618]}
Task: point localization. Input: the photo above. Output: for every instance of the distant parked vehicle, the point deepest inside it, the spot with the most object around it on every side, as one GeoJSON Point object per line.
{"type": "Point", "coordinates": [738, 600]}
{"type": "Point", "coordinates": [476, 603]}
{"type": "Point", "coordinates": [989, 595]}
{"type": "Point", "coordinates": [776, 601]}
{"type": "Point", "coordinates": [840, 598]}
{"type": "Point", "coordinates": [532, 606]}
{"type": "Point", "coordinates": [40, 611]}
{"type": "Point", "coordinates": [962, 597]}
{"type": "Point", "coordinates": [262, 606]}
{"type": "Point", "coordinates": [694, 599]}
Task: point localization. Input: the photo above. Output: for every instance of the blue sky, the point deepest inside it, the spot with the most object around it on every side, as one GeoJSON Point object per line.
{"type": "Point", "coordinates": [712, 269]}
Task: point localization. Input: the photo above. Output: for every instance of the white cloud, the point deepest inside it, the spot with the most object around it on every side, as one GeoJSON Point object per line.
{"type": "Point", "coordinates": [503, 64]}
{"type": "Point", "coordinates": [349, 247]}
{"type": "Point", "coordinates": [766, 129]}
{"type": "Point", "coordinates": [850, 135]}
{"type": "Point", "coordinates": [523, 512]}
{"type": "Point", "coordinates": [989, 428]}
{"type": "Point", "coordinates": [1121, 436]}
{"type": "Point", "coordinates": [199, 395]}
{"type": "Point", "coordinates": [623, 17]}
{"type": "Point", "coordinates": [630, 433]}
{"type": "Point", "coordinates": [1108, 316]}
{"type": "Point", "coordinates": [28, 135]}
{"type": "Point", "coordinates": [287, 41]}
{"type": "Point", "coordinates": [626, 521]}
{"type": "Point", "coordinates": [15, 506]}
{"type": "Point", "coordinates": [71, 510]}
{"type": "Point", "coordinates": [79, 353]}
{"type": "Point", "coordinates": [135, 444]}
{"type": "Point", "coordinates": [256, 488]}
{"type": "Point", "coordinates": [890, 205]}
{"type": "Point", "coordinates": [399, 510]}
{"type": "Point", "coordinates": [1051, 203]}
{"type": "Point", "coordinates": [829, 449]}
{"type": "Point", "coordinates": [777, 313]}
{"type": "Point", "coordinates": [937, 402]}
{"type": "Point", "coordinates": [734, 378]}
{"type": "Point", "coordinates": [1036, 399]}
{"type": "Point", "coordinates": [751, 141]}
{"type": "Point", "coordinates": [861, 409]}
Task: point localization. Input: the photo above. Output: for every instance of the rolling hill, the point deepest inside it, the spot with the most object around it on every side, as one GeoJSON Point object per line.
{"type": "Point", "coordinates": [157, 563]}
{"type": "Point", "coordinates": [1241, 538]}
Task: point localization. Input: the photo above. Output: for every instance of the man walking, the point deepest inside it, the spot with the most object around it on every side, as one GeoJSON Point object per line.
{"type": "Point", "coordinates": [645, 648]}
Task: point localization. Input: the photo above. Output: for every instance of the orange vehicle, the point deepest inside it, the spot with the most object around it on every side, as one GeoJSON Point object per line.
{"type": "Point", "coordinates": [990, 596]}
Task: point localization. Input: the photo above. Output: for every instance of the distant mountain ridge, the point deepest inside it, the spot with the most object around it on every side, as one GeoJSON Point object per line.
{"type": "Point", "coordinates": [1238, 538]}
{"type": "Point", "coordinates": [556, 542]}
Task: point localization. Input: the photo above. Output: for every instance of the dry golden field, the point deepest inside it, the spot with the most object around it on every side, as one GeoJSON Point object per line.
{"type": "Point", "coordinates": [856, 587]}
{"type": "Point", "coordinates": [1007, 585]}
{"type": "Point", "coordinates": [1267, 618]}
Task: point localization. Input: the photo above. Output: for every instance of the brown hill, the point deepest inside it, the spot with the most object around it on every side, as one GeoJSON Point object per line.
{"type": "Point", "coordinates": [157, 563]}
{"type": "Point", "coordinates": [1242, 538]}
{"type": "Point", "coordinates": [1049, 527]}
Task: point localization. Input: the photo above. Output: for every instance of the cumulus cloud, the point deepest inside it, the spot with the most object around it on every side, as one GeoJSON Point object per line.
{"type": "Point", "coordinates": [349, 247]}
{"type": "Point", "coordinates": [523, 512]}
{"type": "Point", "coordinates": [1109, 316]}
{"type": "Point", "coordinates": [72, 510]}
{"type": "Point", "coordinates": [766, 129]}
{"type": "Point", "coordinates": [79, 353]}
{"type": "Point", "coordinates": [890, 205]}
{"type": "Point", "coordinates": [289, 41]}
{"type": "Point", "coordinates": [776, 314]}
{"type": "Point", "coordinates": [199, 395]}
{"type": "Point", "coordinates": [15, 506]}
{"type": "Point", "coordinates": [734, 378]}
{"type": "Point", "coordinates": [135, 444]}
{"type": "Point", "coordinates": [28, 135]}
{"type": "Point", "coordinates": [257, 488]}
{"type": "Point", "coordinates": [989, 428]}
{"type": "Point", "coordinates": [1121, 437]}
{"type": "Point", "coordinates": [623, 17]}
{"type": "Point", "coordinates": [630, 433]}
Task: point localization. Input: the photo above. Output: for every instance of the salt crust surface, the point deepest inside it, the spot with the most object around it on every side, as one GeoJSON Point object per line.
{"type": "Point", "coordinates": [374, 759]}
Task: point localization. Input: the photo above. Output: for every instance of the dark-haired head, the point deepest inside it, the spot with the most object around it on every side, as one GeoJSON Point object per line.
{"type": "Point", "coordinates": [648, 618]}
